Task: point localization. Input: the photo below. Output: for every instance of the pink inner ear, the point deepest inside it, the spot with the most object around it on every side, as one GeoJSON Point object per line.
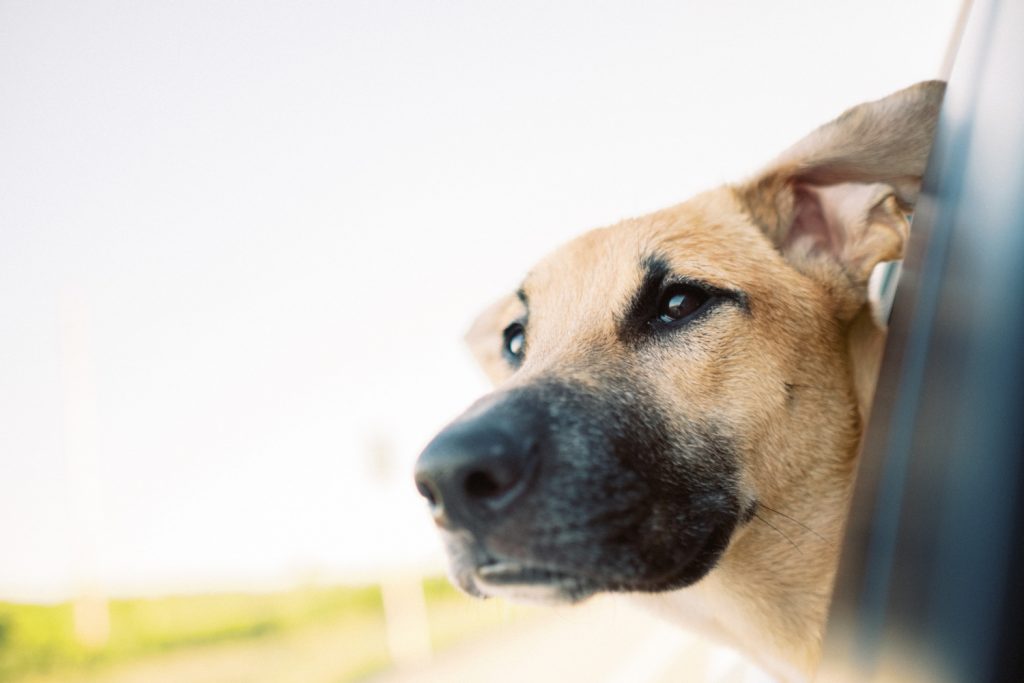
{"type": "Point", "coordinates": [810, 227]}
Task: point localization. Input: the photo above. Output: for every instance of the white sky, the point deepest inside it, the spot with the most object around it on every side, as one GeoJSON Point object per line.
{"type": "Point", "coordinates": [240, 242]}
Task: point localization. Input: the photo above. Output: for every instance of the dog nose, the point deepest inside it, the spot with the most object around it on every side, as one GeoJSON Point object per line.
{"type": "Point", "coordinates": [476, 467]}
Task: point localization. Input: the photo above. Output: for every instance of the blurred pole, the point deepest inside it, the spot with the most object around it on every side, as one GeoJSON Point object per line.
{"type": "Point", "coordinates": [90, 611]}
{"type": "Point", "coordinates": [405, 613]}
{"type": "Point", "coordinates": [405, 607]}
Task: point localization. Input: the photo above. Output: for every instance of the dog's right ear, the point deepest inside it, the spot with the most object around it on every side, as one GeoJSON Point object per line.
{"type": "Point", "coordinates": [485, 336]}
{"type": "Point", "coordinates": [837, 203]}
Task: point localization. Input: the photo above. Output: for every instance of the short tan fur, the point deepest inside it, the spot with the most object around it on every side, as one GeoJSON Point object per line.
{"type": "Point", "coordinates": [788, 380]}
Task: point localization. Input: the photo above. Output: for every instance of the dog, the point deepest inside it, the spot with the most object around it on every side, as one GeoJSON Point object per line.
{"type": "Point", "coordinates": [681, 397]}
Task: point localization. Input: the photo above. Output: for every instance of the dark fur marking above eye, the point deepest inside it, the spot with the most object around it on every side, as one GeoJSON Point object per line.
{"type": "Point", "coordinates": [642, 312]}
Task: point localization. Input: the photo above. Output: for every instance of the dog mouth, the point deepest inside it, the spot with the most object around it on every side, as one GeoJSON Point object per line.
{"type": "Point", "coordinates": [518, 574]}
{"type": "Point", "coordinates": [530, 583]}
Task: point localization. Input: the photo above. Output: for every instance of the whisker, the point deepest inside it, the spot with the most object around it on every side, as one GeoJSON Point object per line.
{"type": "Point", "coordinates": [781, 532]}
{"type": "Point", "coordinates": [792, 519]}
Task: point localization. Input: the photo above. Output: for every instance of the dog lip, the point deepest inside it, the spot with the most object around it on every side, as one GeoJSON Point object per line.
{"type": "Point", "coordinates": [516, 573]}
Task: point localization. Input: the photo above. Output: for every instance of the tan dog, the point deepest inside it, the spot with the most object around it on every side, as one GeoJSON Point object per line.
{"type": "Point", "coordinates": [682, 396]}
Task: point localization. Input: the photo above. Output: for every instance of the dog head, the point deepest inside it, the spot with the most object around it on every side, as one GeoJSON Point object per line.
{"type": "Point", "coordinates": [664, 382]}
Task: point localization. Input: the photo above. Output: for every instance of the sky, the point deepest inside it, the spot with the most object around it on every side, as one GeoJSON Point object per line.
{"type": "Point", "coordinates": [240, 243]}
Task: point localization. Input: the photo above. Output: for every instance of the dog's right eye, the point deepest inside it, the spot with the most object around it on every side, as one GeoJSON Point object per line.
{"type": "Point", "coordinates": [514, 343]}
{"type": "Point", "coordinates": [680, 302]}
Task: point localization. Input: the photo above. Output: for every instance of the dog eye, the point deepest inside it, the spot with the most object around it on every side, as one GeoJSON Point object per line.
{"type": "Point", "coordinates": [514, 342]}
{"type": "Point", "coordinates": [679, 302]}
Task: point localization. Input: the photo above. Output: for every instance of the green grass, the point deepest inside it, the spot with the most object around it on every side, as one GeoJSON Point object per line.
{"type": "Point", "coordinates": [37, 642]}
{"type": "Point", "coordinates": [40, 638]}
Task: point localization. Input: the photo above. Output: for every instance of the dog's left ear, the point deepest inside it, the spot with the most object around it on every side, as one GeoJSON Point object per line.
{"type": "Point", "coordinates": [836, 203]}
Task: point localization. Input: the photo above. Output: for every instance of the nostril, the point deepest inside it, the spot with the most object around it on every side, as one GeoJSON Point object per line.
{"type": "Point", "coordinates": [427, 492]}
{"type": "Point", "coordinates": [480, 484]}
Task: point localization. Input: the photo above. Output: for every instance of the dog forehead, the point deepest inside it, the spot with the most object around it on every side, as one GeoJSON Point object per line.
{"type": "Point", "coordinates": [574, 294]}
{"type": "Point", "coordinates": [599, 261]}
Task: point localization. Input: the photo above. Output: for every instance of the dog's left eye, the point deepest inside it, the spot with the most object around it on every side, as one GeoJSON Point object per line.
{"type": "Point", "coordinates": [514, 343]}
{"type": "Point", "coordinates": [680, 302]}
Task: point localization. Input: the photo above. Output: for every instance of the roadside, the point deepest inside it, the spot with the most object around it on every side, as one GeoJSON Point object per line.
{"type": "Point", "coordinates": [603, 641]}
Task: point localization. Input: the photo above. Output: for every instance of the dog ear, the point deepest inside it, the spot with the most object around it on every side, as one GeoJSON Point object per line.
{"type": "Point", "coordinates": [836, 203]}
{"type": "Point", "coordinates": [484, 336]}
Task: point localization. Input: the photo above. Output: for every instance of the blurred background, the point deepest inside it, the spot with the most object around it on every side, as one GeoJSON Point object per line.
{"type": "Point", "coordinates": [239, 246]}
